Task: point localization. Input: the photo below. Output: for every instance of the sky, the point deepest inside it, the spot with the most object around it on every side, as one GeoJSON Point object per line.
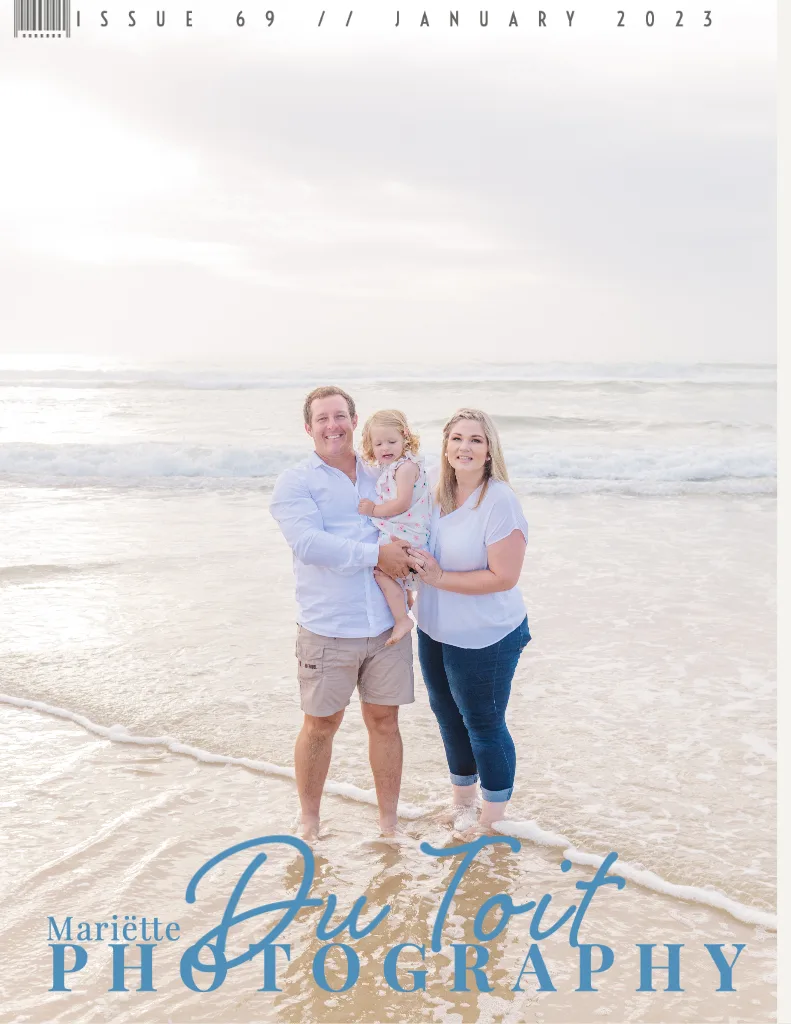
{"type": "Point", "coordinates": [414, 198]}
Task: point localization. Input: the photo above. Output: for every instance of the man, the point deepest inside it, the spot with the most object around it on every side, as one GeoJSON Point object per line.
{"type": "Point", "coordinates": [343, 618]}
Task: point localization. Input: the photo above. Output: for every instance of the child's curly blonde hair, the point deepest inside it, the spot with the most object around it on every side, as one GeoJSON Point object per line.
{"type": "Point", "coordinates": [388, 418]}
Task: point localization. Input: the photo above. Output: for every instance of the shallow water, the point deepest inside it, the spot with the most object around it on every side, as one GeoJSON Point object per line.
{"type": "Point", "coordinates": [144, 585]}
{"type": "Point", "coordinates": [642, 711]}
{"type": "Point", "coordinates": [121, 830]}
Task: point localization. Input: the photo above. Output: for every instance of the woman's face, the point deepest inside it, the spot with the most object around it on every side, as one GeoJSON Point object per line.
{"type": "Point", "coordinates": [467, 449]}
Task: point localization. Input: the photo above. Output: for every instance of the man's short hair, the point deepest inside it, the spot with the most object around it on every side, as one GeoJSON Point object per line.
{"type": "Point", "coordinates": [327, 392]}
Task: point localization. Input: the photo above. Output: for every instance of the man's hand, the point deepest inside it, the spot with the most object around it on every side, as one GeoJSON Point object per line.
{"type": "Point", "coordinates": [393, 559]}
{"type": "Point", "coordinates": [366, 507]}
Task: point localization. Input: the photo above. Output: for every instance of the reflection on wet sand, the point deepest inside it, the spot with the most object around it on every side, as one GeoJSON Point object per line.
{"type": "Point", "coordinates": [102, 837]}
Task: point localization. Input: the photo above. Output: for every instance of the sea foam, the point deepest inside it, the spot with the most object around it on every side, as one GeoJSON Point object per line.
{"type": "Point", "coordinates": [572, 469]}
{"type": "Point", "coordinates": [528, 830]}
{"type": "Point", "coordinates": [561, 375]}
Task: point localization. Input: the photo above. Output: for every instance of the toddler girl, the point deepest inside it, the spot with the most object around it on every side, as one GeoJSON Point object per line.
{"type": "Point", "coordinates": [403, 511]}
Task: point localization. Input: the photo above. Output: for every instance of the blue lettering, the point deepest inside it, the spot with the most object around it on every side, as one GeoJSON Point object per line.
{"type": "Point", "coordinates": [216, 939]}
{"type": "Point", "coordinates": [351, 920]}
{"type": "Point", "coordinates": [391, 969]}
{"type": "Point", "coordinates": [535, 929]}
{"type": "Point", "coordinates": [590, 888]}
{"type": "Point", "coordinates": [218, 968]}
{"type": "Point", "coordinates": [460, 967]}
{"type": "Point", "coordinates": [647, 967]}
{"type": "Point", "coordinates": [145, 968]}
{"type": "Point", "coordinates": [470, 851]}
{"type": "Point", "coordinates": [352, 968]}
{"type": "Point", "coordinates": [59, 971]}
{"type": "Point", "coordinates": [270, 967]}
{"type": "Point", "coordinates": [722, 965]}
{"type": "Point", "coordinates": [504, 901]}
{"type": "Point", "coordinates": [586, 969]}
{"type": "Point", "coordinates": [541, 972]}
{"type": "Point", "coordinates": [57, 933]}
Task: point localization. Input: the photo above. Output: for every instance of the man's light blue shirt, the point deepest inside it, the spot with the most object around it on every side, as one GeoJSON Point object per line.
{"type": "Point", "coordinates": [334, 548]}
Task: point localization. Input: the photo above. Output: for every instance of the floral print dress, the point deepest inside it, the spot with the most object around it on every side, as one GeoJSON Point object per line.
{"type": "Point", "coordinates": [413, 525]}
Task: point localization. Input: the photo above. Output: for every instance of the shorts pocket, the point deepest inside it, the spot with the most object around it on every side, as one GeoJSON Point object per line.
{"type": "Point", "coordinates": [404, 650]}
{"type": "Point", "coordinates": [310, 661]}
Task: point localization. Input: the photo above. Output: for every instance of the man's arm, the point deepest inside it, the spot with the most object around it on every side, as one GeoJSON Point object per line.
{"type": "Point", "coordinates": [300, 522]}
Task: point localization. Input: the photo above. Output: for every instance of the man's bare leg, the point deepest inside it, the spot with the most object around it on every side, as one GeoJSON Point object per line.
{"type": "Point", "coordinates": [397, 603]}
{"type": "Point", "coordinates": [386, 753]}
{"type": "Point", "coordinates": [312, 754]}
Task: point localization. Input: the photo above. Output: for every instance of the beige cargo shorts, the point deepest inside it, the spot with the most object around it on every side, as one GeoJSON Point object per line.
{"type": "Point", "coordinates": [329, 669]}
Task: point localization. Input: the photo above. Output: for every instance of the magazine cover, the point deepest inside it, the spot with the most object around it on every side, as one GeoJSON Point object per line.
{"type": "Point", "coordinates": [387, 490]}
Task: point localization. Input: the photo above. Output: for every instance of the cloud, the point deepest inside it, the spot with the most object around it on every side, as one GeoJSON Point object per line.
{"type": "Point", "coordinates": [121, 249]}
{"type": "Point", "coordinates": [612, 208]}
{"type": "Point", "coordinates": [74, 161]}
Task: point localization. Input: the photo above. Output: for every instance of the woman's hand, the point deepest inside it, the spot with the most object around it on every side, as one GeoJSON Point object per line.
{"type": "Point", "coordinates": [426, 566]}
{"type": "Point", "coordinates": [366, 507]}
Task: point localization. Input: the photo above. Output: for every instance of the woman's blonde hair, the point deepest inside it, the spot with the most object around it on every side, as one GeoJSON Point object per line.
{"type": "Point", "coordinates": [388, 418]}
{"type": "Point", "coordinates": [494, 467]}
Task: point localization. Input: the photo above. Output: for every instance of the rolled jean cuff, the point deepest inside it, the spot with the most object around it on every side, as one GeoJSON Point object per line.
{"type": "Point", "coordinates": [463, 780]}
{"type": "Point", "coordinates": [496, 796]}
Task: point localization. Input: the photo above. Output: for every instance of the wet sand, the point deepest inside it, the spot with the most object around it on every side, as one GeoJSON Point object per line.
{"type": "Point", "coordinates": [91, 828]}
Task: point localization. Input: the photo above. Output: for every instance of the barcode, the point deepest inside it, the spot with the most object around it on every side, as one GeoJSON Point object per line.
{"type": "Point", "coordinates": [42, 18]}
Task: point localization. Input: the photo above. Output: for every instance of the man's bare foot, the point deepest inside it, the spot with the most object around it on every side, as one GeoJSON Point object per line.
{"type": "Point", "coordinates": [400, 630]}
{"type": "Point", "coordinates": [394, 836]}
{"type": "Point", "coordinates": [306, 828]}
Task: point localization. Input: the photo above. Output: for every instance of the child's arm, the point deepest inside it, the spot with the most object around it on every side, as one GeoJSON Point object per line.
{"type": "Point", "coordinates": [405, 477]}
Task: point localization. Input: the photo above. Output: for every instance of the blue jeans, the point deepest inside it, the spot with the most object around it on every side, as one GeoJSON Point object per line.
{"type": "Point", "coordinates": [468, 691]}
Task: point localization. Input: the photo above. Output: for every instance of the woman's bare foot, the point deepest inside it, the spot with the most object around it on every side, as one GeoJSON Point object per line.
{"type": "Point", "coordinates": [400, 630]}
{"type": "Point", "coordinates": [459, 816]}
{"type": "Point", "coordinates": [475, 831]}
{"type": "Point", "coordinates": [492, 811]}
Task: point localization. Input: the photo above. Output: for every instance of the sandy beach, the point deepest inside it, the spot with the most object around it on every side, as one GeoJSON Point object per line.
{"type": "Point", "coordinates": [99, 827]}
{"type": "Point", "coordinates": [148, 700]}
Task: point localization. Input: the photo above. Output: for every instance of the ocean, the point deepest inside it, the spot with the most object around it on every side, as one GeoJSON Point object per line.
{"type": "Point", "coordinates": [147, 632]}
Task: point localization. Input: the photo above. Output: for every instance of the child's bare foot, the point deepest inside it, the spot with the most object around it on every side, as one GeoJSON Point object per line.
{"type": "Point", "coordinates": [400, 630]}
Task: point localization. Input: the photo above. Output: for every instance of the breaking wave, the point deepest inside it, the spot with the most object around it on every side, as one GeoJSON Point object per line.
{"type": "Point", "coordinates": [618, 377]}
{"type": "Point", "coordinates": [526, 830]}
{"type": "Point", "coordinates": [742, 469]}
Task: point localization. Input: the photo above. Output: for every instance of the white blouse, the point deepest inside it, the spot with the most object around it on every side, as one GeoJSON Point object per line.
{"type": "Point", "coordinates": [458, 542]}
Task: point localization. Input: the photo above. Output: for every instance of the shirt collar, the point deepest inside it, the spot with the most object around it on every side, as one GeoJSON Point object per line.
{"type": "Point", "coordinates": [317, 462]}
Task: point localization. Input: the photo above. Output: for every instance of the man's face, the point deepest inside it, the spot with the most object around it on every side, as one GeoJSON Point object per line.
{"type": "Point", "coordinates": [331, 427]}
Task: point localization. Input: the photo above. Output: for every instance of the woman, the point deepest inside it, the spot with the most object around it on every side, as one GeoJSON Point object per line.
{"type": "Point", "coordinates": [472, 624]}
